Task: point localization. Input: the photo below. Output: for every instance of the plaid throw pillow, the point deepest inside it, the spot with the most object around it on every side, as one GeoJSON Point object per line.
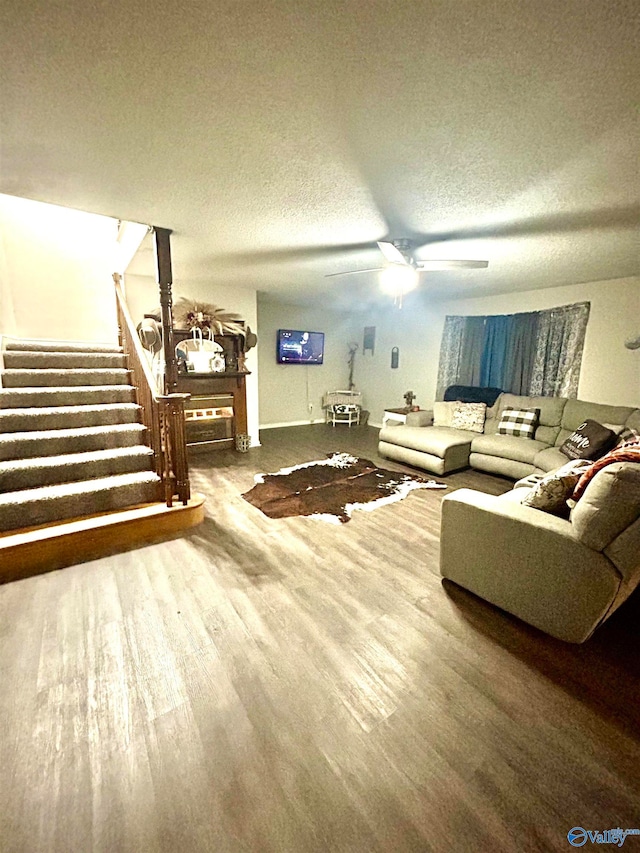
{"type": "Point", "coordinates": [519, 422]}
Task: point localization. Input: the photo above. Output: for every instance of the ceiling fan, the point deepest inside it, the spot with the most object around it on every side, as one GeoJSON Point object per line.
{"type": "Point", "coordinates": [401, 272]}
{"type": "Point", "coordinates": [399, 252]}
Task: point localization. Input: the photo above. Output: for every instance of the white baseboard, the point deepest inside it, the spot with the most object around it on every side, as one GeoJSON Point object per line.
{"type": "Point", "coordinates": [290, 423]}
{"type": "Point", "coordinates": [306, 423]}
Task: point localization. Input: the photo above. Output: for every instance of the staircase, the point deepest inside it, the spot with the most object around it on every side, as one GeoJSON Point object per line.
{"type": "Point", "coordinates": [77, 480]}
{"type": "Point", "coordinates": [71, 441]}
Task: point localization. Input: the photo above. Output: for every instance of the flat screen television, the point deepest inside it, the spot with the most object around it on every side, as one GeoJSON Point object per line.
{"type": "Point", "coordinates": [298, 347]}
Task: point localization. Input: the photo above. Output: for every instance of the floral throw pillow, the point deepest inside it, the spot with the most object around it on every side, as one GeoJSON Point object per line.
{"type": "Point", "coordinates": [469, 416]}
{"type": "Point", "coordinates": [551, 493]}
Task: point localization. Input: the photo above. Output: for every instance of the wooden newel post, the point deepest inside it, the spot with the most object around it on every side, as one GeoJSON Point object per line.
{"type": "Point", "coordinates": [176, 465]}
{"type": "Point", "coordinates": [165, 281]}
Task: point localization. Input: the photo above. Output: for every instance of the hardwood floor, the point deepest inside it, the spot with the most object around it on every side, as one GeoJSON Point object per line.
{"type": "Point", "coordinates": [295, 686]}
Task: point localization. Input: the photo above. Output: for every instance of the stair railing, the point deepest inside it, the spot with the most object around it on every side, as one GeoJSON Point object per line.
{"type": "Point", "coordinates": [162, 414]}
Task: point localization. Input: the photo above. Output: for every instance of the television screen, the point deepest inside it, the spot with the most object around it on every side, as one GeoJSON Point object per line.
{"type": "Point", "coordinates": [298, 347]}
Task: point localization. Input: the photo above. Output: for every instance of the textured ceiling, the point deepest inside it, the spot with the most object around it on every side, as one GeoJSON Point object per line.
{"type": "Point", "coordinates": [268, 134]}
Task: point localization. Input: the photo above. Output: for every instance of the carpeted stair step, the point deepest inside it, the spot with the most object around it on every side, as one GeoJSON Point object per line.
{"type": "Point", "coordinates": [90, 395]}
{"type": "Point", "coordinates": [71, 443]}
{"type": "Point", "coordinates": [28, 360]}
{"type": "Point", "coordinates": [51, 470]}
{"type": "Point", "coordinates": [31, 507]}
{"type": "Point", "coordinates": [67, 417]}
{"type": "Point", "coordinates": [57, 377]}
{"type": "Point", "coordinates": [55, 442]}
{"type": "Point", "coordinates": [59, 346]}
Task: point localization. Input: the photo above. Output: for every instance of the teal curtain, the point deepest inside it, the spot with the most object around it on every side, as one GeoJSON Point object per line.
{"type": "Point", "coordinates": [494, 351]}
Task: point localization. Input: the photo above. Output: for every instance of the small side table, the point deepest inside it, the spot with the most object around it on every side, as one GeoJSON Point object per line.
{"type": "Point", "coordinates": [422, 417]}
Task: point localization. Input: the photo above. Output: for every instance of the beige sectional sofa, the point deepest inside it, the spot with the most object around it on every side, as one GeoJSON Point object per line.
{"type": "Point", "coordinates": [441, 449]}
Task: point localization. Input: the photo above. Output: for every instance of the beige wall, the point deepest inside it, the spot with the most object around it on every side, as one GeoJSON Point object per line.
{"type": "Point", "coordinates": [7, 313]}
{"type": "Point", "coordinates": [610, 373]}
{"type": "Point", "coordinates": [287, 390]}
{"type": "Point", "coordinates": [56, 267]}
{"type": "Point", "coordinates": [416, 330]}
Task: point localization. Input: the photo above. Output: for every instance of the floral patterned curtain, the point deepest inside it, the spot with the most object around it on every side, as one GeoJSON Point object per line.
{"type": "Point", "coordinates": [559, 346]}
{"type": "Point", "coordinates": [450, 354]}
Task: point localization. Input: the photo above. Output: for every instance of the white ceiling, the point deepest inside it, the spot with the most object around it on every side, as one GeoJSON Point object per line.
{"type": "Point", "coordinates": [269, 134]}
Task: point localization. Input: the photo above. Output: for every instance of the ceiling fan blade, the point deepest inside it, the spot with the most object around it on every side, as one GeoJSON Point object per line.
{"type": "Point", "coordinates": [424, 266]}
{"type": "Point", "coordinates": [353, 272]}
{"type": "Point", "coordinates": [391, 253]}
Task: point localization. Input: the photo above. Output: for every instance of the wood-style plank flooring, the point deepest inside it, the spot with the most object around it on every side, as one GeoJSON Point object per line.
{"type": "Point", "coordinates": [291, 686]}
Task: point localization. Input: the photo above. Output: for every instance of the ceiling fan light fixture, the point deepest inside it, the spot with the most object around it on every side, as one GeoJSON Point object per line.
{"type": "Point", "coordinates": [398, 278]}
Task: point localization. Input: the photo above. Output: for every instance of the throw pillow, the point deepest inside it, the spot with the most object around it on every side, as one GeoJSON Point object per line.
{"type": "Point", "coordinates": [519, 422]}
{"type": "Point", "coordinates": [469, 416]}
{"type": "Point", "coordinates": [553, 490]}
{"type": "Point", "coordinates": [589, 441]}
{"type": "Point", "coordinates": [443, 413]}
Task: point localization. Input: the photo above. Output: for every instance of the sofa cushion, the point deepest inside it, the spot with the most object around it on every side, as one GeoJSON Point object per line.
{"type": "Point", "coordinates": [610, 503]}
{"type": "Point", "coordinates": [493, 417]}
{"type": "Point", "coordinates": [551, 492]}
{"type": "Point", "coordinates": [500, 466]}
{"type": "Point", "coordinates": [588, 441]}
{"type": "Point", "coordinates": [443, 413]}
{"type": "Point", "coordinates": [551, 409]}
{"type": "Point", "coordinates": [508, 447]}
{"type": "Point", "coordinates": [628, 435]}
{"type": "Point", "coordinates": [627, 453]}
{"type": "Point", "coordinates": [577, 411]}
{"type": "Point", "coordinates": [433, 440]}
{"type": "Point", "coordinates": [633, 421]}
{"type": "Point", "coordinates": [515, 495]}
{"type": "Point", "coordinates": [549, 459]}
{"type": "Point", "coordinates": [469, 416]}
{"type": "Point", "coordinates": [617, 428]}
{"type": "Point", "coordinates": [519, 422]}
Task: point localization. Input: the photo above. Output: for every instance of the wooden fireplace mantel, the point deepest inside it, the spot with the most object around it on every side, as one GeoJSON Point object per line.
{"type": "Point", "coordinates": [214, 391]}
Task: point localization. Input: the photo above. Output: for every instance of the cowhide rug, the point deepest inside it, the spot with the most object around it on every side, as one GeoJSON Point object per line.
{"type": "Point", "coordinates": [331, 489]}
